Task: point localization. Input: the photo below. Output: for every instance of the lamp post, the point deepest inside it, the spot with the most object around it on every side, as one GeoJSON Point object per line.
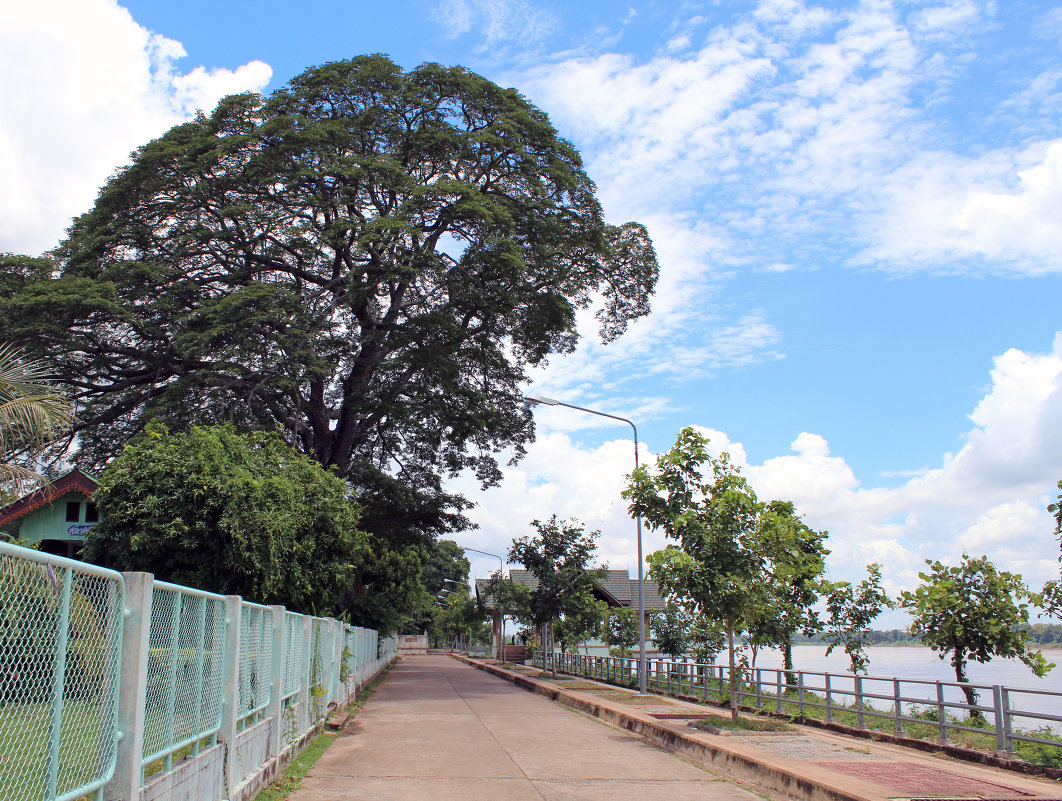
{"type": "Point", "coordinates": [501, 575]}
{"type": "Point", "coordinates": [534, 401]}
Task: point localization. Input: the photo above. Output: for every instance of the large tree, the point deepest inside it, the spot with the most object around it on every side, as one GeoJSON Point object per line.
{"type": "Point", "coordinates": [973, 612]}
{"type": "Point", "coordinates": [230, 513]}
{"type": "Point", "coordinates": [367, 260]}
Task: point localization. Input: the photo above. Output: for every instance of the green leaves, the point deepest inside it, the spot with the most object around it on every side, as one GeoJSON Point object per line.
{"type": "Point", "coordinates": [230, 513]}
{"type": "Point", "coordinates": [973, 611]}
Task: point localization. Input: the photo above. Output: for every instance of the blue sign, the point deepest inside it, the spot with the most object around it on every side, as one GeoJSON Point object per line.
{"type": "Point", "coordinates": [78, 531]}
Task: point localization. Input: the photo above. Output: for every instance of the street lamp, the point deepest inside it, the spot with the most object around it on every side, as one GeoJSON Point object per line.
{"type": "Point", "coordinates": [501, 575]}
{"type": "Point", "coordinates": [534, 401]}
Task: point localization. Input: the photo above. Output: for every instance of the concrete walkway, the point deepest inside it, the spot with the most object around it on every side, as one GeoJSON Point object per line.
{"type": "Point", "coordinates": [438, 729]}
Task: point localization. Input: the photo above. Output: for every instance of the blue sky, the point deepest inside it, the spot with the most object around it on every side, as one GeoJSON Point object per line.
{"type": "Point", "coordinates": [856, 207]}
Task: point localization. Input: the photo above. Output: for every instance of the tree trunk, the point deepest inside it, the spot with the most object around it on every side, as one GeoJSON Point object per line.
{"type": "Point", "coordinates": [959, 663]}
{"type": "Point", "coordinates": [787, 662]}
{"type": "Point", "coordinates": [733, 671]}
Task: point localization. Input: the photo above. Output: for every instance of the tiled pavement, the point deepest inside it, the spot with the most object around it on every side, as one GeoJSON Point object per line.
{"type": "Point", "coordinates": [894, 771]}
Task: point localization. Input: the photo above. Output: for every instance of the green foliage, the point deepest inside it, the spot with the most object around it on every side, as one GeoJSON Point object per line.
{"type": "Point", "coordinates": [1056, 509]}
{"type": "Point", "coordinates": [579, 625]}
{"type": "Point", "coordinates": [973, 611]}
{"type": "Point", "coordinates": [671, 630]}
{"type": "Point", "coordinates": [718, 567]}
{"type": "Point", "coordinates": [706, 639]}
{"type": "Point", "coordinates": [851, 610]}
{"type": "Point", "coordinates": [367, 260]}
{"type": "Point", "coordinates": [385, 590]}
{"type": "Point", "coordinates": [793, 581]}
{"type": "Point", "coordinates": [621, 630]}
{"type": "Point", "coordinates": [230, 513]}
{"type": "Point", "coordinates": [558, 556]}
{"type": "Point", "coordinates": [32, 412]}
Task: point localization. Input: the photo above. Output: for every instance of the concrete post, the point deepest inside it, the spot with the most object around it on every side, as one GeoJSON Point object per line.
{"type": "Point", "coordinates": [230, 693]}
{"type": "Point", "coordinates": [276, 682]}
{"type": "Point", "coordinates": [132, 689]}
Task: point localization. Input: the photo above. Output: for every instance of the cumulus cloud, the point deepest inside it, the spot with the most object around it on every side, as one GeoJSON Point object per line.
{"type": "Point", "coordinates": [84, 85]}
{"type": "Point", "coordinates": [988, 498]}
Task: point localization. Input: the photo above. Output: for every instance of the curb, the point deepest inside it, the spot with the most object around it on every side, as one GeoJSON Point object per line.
{"type": "Point", "coordinates": [796, 781]}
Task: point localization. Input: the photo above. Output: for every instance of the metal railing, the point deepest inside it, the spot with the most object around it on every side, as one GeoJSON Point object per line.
{"type": "Point", "coordinates": [912, 701]}
{"type": "Point", "coordinates": [108, 679]}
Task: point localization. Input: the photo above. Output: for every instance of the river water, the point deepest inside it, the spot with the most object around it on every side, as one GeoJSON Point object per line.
{"type": "Point", "coordinates": [919, 662]}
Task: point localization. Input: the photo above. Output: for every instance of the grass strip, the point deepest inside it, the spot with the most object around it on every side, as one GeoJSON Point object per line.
{"type": "Point", "coordinates": [291, 779]}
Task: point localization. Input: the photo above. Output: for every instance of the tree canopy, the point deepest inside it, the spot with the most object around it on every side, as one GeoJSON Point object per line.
{"type": "Point", "coordinates": [366, 260]}
{"type": "Point", "coordinates": [851, 608]}
{"type": "Point", "coordinates": [558, 556]}
{"type": "Point", "coordinates": [973, 611]}
{"type": "Point", "coordinates": [229, 513]}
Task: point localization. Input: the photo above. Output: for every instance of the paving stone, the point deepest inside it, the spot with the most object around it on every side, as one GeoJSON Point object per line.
{"type": "Point", "coordinates": [910, 779]}
{"type": "Point", "coordinates": [799, 746]}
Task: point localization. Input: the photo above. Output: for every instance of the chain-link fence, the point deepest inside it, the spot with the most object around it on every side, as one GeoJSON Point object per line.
{"type": "Point", "coordinates": [184, 670]}
{"type": "Point", "coordinates": [108, 681]}
{"type": "Point", "coordinates": [60, 645]}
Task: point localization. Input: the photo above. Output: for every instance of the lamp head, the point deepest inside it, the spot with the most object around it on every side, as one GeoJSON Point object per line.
{"type": "Point", "coordinates": [535, 401]}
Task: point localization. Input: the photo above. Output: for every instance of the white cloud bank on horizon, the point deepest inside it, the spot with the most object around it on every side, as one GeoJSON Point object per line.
{"type": "Point", "coordinates": [84, 85]}
{"type": "Point", "coordinates": [989, 498]}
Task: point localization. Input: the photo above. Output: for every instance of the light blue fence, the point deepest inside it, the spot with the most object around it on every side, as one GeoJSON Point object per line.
{"type": "Point", "coordinates": [116, 686]}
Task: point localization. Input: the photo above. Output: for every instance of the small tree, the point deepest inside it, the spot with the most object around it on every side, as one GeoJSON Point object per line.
{"type": "Point", "coordinates": [558, 556]}
{"type": "Point", "coordinates": [716, 522]}
{"type": "Point", "coordinates": [795, 560]}
{"type": "Point", "coordinates": [973, 611]}
{"type": "Point", "coordinates": [671, 630]}
{"type": "Point", "coordinates": [579, 625]}
{"type": "Point", "coordinates": [851, 610]}
{"type": "Point", "coordinates": [621, 630]}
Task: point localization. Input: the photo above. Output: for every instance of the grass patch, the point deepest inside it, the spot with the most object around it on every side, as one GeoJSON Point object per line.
{"type": "Point", "coordinates": [740, 724]}
{"type": "Point", "coordinates": [291, 779]}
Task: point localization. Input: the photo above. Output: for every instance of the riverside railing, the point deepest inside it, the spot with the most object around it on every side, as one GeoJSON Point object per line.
{"type": "Point", "coordinates": [116, 686]}
{"type": "Point", "coordinates": [899, 700]}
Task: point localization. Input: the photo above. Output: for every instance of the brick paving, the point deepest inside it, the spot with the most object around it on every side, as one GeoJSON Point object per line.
{"type": "Point", "coordinates": [910, 779]}
{"type": "Point", "coordinates": [811, 749]}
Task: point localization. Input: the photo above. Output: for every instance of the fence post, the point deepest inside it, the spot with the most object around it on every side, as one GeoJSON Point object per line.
{"type": "Point", "coordinates": [759, 687]}
{"type": "Point", "coordinates": [859, 702]}
{"type": "Point", "coordinates": [1007, 721]}
{"type": "Point", "coordinates": [230, 693]}
{"type": "Point", "coordinates": [942, 718]}
{"type": "Point", "coordinates": [132, 689]}
{"type": "Point", "coordinates": [997, 705]}
{"type": "Point", "coordinates": [307, 670]}
{"type": "Point", "coordinates": [337, 662]}
{"type": "Point", "coordinates": [800, 692]}
{"type": "Point", "coordinates": [897, 705]}
{"type": "Point", "coordinates": [829, 698]}
{"type": "Point", "coordinates": [276, 681]}
{"type": "Point", "coordinates": [778, 708]}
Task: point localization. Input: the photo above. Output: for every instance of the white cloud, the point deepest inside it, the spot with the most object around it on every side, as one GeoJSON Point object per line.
{"type": "Point", "coordinates": [84, 85]}
{"type": "Point", "coordinates": [815, 126]}
{"type": "Point", "coordinates": [988, 498]}
{"type": "Point", "coordinates": [495, 21]}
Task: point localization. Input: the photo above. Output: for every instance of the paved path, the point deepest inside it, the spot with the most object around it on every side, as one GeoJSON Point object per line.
{"type": "Point", "coordinates": [437, 729]}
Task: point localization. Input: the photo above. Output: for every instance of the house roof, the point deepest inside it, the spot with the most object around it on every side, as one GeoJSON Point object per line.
{"type": "Point", "coordinates": [74, 481]}
{"type": "Point", "coordinates": [616, 588]}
